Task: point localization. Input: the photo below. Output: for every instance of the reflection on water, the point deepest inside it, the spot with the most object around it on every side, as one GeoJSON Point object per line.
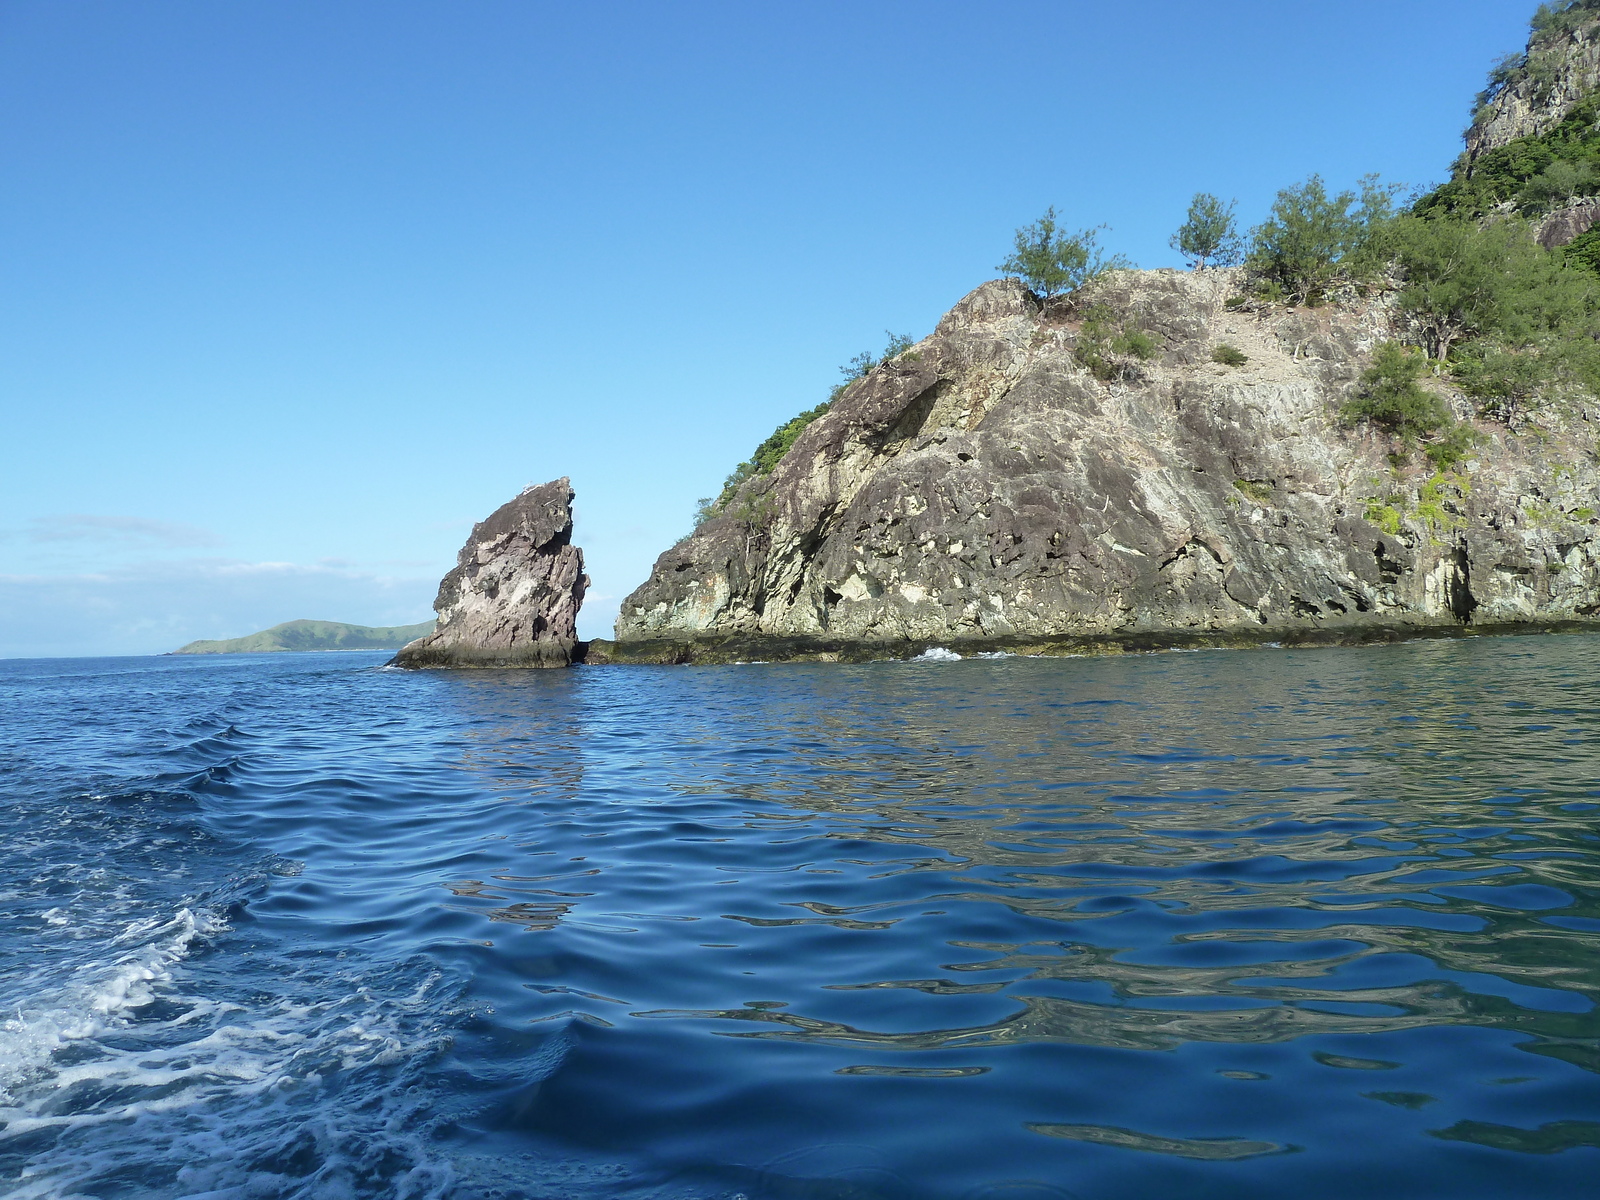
{"type": "Point", "coordinates": [1225, 924]}
{"type": "Point", "coordinates": [1319, 864]}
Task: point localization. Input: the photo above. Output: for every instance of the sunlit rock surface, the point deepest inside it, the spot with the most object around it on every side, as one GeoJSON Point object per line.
{"type": "Point", "coordinates": [513, 598]}
{"type": "Point", "coordinates": [986, 489]}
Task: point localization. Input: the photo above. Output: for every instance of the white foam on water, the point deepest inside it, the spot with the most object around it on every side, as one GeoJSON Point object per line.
{"type": "Point", "coordinates": [100, 993]}
{"type": "Point", "coordinates": [123, 1079]}
{"type": "Point", "coordinates": [935, 654]}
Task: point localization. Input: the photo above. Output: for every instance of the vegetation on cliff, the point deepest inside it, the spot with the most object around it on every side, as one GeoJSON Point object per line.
{"type": "Point", "coordinates": [1053, 261]}
{"type": "Point", "coordinates": [1511, 320]}
{"type": "Point", "coordinates": [1539, 63]}
{"type": "Point", "coordinates": [772, 449]}
{"type": "Point", "coordinates": [1529, 176]}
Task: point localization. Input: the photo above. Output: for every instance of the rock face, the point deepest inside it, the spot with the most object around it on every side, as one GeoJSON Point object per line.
{"type": "Point", "coordinates": [512, 599]}
{"type": "Point", "coordinates": [987, 490]}
{"type": "Point", "coordinates": [1565, 225]}
{"type": "Point", "coordinates": [1562, 66]}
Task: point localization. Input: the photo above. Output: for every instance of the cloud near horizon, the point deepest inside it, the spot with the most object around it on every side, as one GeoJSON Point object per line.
{"type": "Point", "coordinates": [154, 607]}
{"type": "Point", "coordinates": [139, 531]}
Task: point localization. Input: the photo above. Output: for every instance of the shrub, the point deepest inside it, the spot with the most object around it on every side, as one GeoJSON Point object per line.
{"type": "Point", "coordinates": [1107, 344]}
{"type": "Point", "coordinates": [1208, 234]}
{"type": "Point", "coordinates": [862, 364]}
{"type": "Point", "coordinates": [1584, 251]}
{"type": "Point", "coordinates": [1390, 396]}
{"type": "Point", "coordinates": [1136, 342]}
{"type": "Point", "coordinates": [1503, 382]}
{"type": "Point", "coordinates": [1051, 261]}
{"type": "Point", "coordinates": [1452, 446]}
{"type": "Point", "coordinates": [1561, 181]}
{"type": "Point", "coordinates": [1229, 356]}
{"type": "Point", "coordinates": [1563, 16]}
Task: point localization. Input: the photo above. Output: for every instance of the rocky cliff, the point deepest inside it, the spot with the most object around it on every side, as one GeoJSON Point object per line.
{"type": "Point", "coordinates": [1531, 92]}
{"type": "Point", "coordinates": [989, 490]}
{"type": "Point", "coordinates": [512, 599]}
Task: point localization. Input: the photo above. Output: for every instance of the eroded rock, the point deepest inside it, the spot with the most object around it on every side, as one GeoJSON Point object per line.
{"type": "Point", "coordinates": [987, 489]}
{"type": "Point", "coordinates": [512, 599]}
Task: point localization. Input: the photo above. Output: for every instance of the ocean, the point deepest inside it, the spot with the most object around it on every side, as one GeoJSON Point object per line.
{"type": "Point", "coordinates": [1223, 925]}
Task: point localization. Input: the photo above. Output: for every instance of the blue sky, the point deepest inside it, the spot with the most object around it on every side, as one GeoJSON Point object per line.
{"type": "Point", "coordinates": [293, 292]}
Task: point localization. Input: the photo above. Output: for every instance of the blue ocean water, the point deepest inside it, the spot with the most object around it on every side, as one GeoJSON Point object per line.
{"type": "Point", "coordinates": [1269, 923]}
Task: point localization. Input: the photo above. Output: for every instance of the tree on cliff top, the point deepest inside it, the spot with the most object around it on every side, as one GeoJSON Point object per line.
{"type": "Point", "coordinates": [1209, 234]}
{"type": "Point", "coordinates": [1051, 261]}
{"type": "Point", "coordinates": [1311, 240]}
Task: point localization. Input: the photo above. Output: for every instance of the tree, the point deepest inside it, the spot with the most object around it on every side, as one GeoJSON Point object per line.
{"type": "Point", "coordinates": [1051, 261]}
{"type": "Point", "coordinates": [1311, 240]}
{"type": "Point", "coordinates": [1209, 234]}
{"type": "Point", "coordinates": [1464, 281]}
{"type": "Point", "coordinates": [1299, 246]}
{"type": "Point", "coordinates": [1459, 279]}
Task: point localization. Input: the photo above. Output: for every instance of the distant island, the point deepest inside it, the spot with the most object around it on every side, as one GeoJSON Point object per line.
{"type": "Point", "coordinates": [314, 635]}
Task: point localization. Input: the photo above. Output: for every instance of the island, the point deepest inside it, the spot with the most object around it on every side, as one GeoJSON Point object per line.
{"type": "Point", "coordinates": [313, 635]}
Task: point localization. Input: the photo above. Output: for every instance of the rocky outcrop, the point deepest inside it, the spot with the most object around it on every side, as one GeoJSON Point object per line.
{"type": "Point", "coordinates": [1560, 68]}
{"type": "Point", "coordinates": [1566, 225]}
{"type": "Point", "coordinates": [512, 599]}
{"type": "Point", "coordinates": [988, 490]}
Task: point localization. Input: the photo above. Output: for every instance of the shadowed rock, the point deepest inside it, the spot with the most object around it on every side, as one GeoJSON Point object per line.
{"type": "Point", "coordinates": [513, 598]}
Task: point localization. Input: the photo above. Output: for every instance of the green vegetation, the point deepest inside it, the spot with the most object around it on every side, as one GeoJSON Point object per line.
{"type": "Point", "coordinates": [1539, 66]}
{"type": "Point", "coordinates": [1385, 514]}
{"type": "Point", "coordinates": [1435, 505]}
{"type": "Point", "coordinates": [1463, 280]}
{"type": "Point", "coordinates": [1109, 345]}
{"type": "Point", "coordinates": [1256, 489]}
{"type": "Point", "coordinates": [1483, 305]}
{"type": "Point", "coordinates": [314, 635]}
{"type": "Point", "coordinates": [1514, 325]}
{"type": "Point", "coordinates": [1390, 395]}
{"type": "Point", "coordinates": [771, 451]}
{"type": "Point", "coordinates": [1312, 241]}
{"type": "Point", "coordinates": [1208, 234]}
{"type": "Point", "coordinates": [1051, 261]}
{"type": "Point", "coordinates": [1530, 176]}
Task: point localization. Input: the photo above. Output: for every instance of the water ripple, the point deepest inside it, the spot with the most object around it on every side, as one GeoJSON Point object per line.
{"type": "Point", "coordinates": [1225, 924]}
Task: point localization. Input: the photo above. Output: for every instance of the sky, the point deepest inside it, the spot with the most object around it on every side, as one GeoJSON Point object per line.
{"type": "Point", "coordinates": [292, 292]}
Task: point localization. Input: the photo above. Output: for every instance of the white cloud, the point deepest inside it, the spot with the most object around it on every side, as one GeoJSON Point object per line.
{"type": "Point", "coordinates": [89, 527]}
{"type": "Point", "coordinates": [153, 607]}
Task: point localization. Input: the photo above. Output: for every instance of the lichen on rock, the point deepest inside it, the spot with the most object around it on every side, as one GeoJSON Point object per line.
{"type": "Point", "coordinates": [513, 596]}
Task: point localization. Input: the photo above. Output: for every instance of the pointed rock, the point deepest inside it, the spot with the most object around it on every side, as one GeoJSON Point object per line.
{"type": "Point", "coordinates": [513, 598]}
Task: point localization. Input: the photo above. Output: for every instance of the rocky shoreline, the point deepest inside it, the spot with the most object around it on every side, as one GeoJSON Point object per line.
{"type": "Point", "coordinates": [734, 650]}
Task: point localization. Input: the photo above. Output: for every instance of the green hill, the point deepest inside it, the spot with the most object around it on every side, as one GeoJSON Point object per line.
{"type": "Point", "coordinates": [314, 635]}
